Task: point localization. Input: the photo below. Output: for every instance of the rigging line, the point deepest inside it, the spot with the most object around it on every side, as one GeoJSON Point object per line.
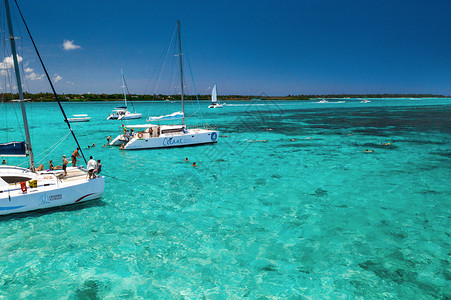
{"type": "Point", "coordinates": [128, 92]}
{"type": "Point", "coordinates": [57, 144]}
{"type": "Point", "coordinates": [50, 81]}
{"type": "Point", "coordinates": [165, 59]}
{"type": "Point", "coordinates": [194, 85]}
{"type": "Point", "coordinates": [113, 177]}
{"type": "Point", "coordinates": [53, 149]}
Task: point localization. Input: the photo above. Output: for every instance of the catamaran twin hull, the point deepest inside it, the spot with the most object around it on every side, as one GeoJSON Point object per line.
{"type": "Point", "coordinates": [191, 138]}
{"type": "Point", "coordinates": [42, 197]}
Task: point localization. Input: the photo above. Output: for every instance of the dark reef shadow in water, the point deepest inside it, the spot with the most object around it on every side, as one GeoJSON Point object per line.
{"type": "Point", "coordinates": [375, 121]}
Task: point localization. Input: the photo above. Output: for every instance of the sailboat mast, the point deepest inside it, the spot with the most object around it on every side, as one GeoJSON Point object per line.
{"type": "Point", "coordinates": [123, 86]}
{"type": "Point", "coordinates": [181, 71]}
{"type": "Point", "coordinates": [19, 83]}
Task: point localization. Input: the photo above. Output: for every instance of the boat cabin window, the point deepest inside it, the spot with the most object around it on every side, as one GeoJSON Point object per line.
{"type": "Point", "coordinates": [15, 179]}
{"type": "Point", "coordinates": [172, 130]}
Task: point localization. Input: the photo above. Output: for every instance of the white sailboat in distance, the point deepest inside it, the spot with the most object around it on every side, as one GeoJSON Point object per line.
{"type": "Point", "coordinates": [22, 189]}
{"type": "Point", "coordinates": [151, 136]}
{"type": "Point", "coordinates": [214, 99]}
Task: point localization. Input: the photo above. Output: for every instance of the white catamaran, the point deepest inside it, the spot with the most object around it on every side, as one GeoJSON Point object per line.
{"type": "Point", "coordinates": [150, 136]}
{"type": "Point", "coordinates": [214, 99]}
{"type": "Point", "coordinates": [22, 189]}
{"type": "Point", "coordinates": [121, 112]}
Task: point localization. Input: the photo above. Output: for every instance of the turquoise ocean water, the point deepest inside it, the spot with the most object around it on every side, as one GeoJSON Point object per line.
{"type": "Point", "coordinates": [262, 216]}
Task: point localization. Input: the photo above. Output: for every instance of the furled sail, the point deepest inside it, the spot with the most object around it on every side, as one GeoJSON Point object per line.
{"type": "Point", "coordinates": [174, 116]}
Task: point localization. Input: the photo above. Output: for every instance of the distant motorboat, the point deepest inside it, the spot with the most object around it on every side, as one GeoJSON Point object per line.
{"type": "Point", "coordinates": [365, 101]}
{"type": "Point", "coordinates": [79, 118]}
{"type": "Point", "coordinates": [323, 101]}
{"type": "Point", "coordinates": [214, 99]}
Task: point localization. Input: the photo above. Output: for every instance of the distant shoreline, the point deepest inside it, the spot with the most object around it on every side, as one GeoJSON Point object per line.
{"type": "Point", "coordinates": [47, 97]}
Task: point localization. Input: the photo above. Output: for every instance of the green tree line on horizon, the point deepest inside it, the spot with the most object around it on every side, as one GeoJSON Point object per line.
{"type": "Point", "coordinates": [49, 97]}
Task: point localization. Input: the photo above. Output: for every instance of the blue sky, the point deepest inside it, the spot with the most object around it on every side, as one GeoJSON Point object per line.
{"type": "Point", "coordinates": [245, 47]}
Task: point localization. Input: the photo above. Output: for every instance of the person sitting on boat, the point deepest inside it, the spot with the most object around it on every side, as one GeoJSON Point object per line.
{"type": "Point", "coordinates": [51, 167]}
{"type": "Point", "coordinates": [91, 166]}
{"type": "Point", "coordinates": [40, 168]}
{"type": "Point", "coordinates": [65, 163]}
{"type": "Point", "coordinates": [131, 132]}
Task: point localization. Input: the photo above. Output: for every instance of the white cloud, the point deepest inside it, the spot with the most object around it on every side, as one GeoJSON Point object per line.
{"type": "Point", "coordinates": [34, 76]}
{"type": "Point", "coordinates": [8, 62]}
{"type": "Point", "coordinates": [70, 82]}
{"type": "Point", "coordinates": [69, 45]}
{"type": "Point", "coordinates": [28, 70]}
{"type": "Point", "coordinates": [57, 78]}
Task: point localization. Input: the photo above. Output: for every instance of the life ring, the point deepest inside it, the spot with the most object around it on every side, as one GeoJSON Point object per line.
{"type": "Point", "coordinates": [23, 186]}
{"type": "Point", "coordinates": [140, 135]}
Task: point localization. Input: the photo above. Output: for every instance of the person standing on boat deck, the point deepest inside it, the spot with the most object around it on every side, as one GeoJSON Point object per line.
{"type": "Point", "coordinates": [91, 166]}
{"type": "Point", "coordinates": [75, 155]}
{"type": "Point", "coordinates": [99, 167]}
{"type": "Point", "coordinates": [65, 163]}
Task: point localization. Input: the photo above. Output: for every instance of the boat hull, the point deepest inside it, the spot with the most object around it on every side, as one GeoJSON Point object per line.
{"type": "Point", "coordinates": [72, 120]}
{"type": "Point", "coordinates": [130, 117]}
{"type": "Point", "coordinates": [44, 197]}
{"type": "Point", "coordinates": [215, 106]}
{"type": "Point", "coordinates": [191, 138]}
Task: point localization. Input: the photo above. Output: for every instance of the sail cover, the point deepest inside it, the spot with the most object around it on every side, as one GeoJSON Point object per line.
{"type": "Point", "coordinates": [174, 116]}
{"type": "Point", "coordinates": [214, 98]}
{"type": "Point", "coordinates": [13, 149]}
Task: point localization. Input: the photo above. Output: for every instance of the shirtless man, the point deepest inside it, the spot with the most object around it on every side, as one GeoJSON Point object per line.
{"type": "Point", "coordinates": [74, 157]}
{"type": "Point", "coordinates": [65, 163]}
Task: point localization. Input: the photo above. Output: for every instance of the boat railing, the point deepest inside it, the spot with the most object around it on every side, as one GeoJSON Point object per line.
{"type": "Point", "coordinates": [205, 126]}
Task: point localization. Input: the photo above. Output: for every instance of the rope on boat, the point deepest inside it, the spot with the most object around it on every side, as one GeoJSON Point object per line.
{"type": "Point", "coordinates": [53, 146]}
{"type": "Point", "coordinates": [103, 174]}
